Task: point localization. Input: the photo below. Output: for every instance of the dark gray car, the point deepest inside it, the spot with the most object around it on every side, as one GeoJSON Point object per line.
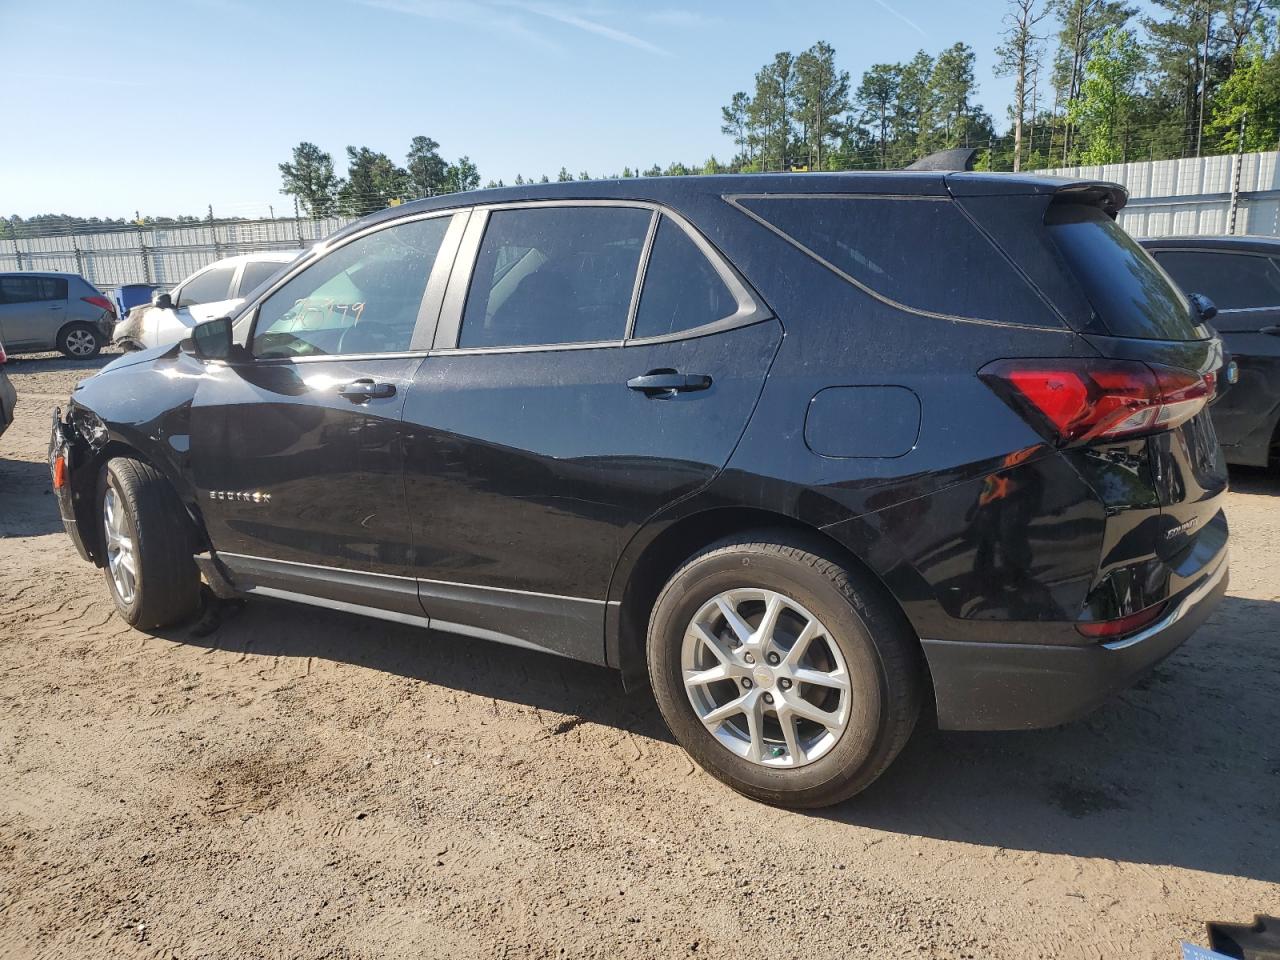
{"type": "Point", "coordinates": [1241, 275]}
{"type": "Point", "coordinates": [8, 395]}
{"type": "Point", "coordinates": [54, 311]}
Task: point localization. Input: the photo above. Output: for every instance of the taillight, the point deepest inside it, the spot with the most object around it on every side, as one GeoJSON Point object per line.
{"type": "Point", "coordinates": [1111, 629]}
{"type": "Point", "coordinates": [1081, 400]}
{"type": "Point", "coordinates": [101, 302]}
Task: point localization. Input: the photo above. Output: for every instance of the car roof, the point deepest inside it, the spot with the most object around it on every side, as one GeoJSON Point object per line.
{"type": "Point", "coordinates": [675, 191]}
{"type": "Point", "coordinates": [41, 273]}
{"type": "Point", "coordinates": [258, 256]}
{"type": "Point", "coordinates": [1244, 244]}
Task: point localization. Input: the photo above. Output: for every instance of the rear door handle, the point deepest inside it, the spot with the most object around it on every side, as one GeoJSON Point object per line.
{"type": "Point", "coordinates": [659, 383]}
{"type": "Point", "coordinates": [1274, 331]}
{"type": "Point", "coordinates": [362, 391]}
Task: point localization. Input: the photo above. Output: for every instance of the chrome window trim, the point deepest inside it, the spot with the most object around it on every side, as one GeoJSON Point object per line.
{"type": "Point", "coordinates": [734, 200]}
{"type": "Point", "coordinates": [324, 248]}
{"type": "Point", "coordinates": [751, 309]}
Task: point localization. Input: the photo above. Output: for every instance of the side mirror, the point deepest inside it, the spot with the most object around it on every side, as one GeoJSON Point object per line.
{"type": "Point", "coordinates": [211, 340]}
{"type": "Point", "coordinates": [1204, 306]}
{"type": "Point", "coordinates": [163, 300]}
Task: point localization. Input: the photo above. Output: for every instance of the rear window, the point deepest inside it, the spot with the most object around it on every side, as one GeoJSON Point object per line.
{"type": "Point", "coordinates": [1233, 281]}
{"type": "Point", "coordinates": [256, 273]}
{"type": "Point", "coordinates": [923, 253]}
{"type": "Point", "coordinates": [1129, 293]}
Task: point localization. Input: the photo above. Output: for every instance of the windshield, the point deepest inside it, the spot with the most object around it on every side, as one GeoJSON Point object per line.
{"type": "Point", "coordinates": [1130, 294]}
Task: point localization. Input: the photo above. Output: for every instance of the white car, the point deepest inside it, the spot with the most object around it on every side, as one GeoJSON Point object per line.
{"type": "Point", "coordinates": [207, 294]}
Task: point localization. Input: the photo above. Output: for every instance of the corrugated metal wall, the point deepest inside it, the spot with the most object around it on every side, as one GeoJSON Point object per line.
{"type": "Point", "coordinates": [158, 255]}
{"type": "Point", "coordinates": [1194, 196]}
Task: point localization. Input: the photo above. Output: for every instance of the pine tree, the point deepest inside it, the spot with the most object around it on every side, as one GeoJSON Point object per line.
{"type": "Point", "coordinates": [822, 95]}
{"type": "Point", "coordinates": [877, 99]}
{"type": "Point", "coordinates": [311, 179]}
{"type": "Point", "coordinates": [1019, 57]}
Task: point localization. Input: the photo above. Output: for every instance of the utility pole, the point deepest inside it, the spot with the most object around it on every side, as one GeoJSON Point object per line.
{"type": "Point", "coordinates": [1235, 177]}
{"type": "Point", "coordinates": [1204, 77]}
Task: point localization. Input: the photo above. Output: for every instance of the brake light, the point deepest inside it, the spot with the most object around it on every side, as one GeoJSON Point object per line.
{"type": "Point", "coordinates": [101, 302]}
{"type": "Point", "coordinates": [1082, 400]}
{"type": "Point", "coordinates": [1110, 629]}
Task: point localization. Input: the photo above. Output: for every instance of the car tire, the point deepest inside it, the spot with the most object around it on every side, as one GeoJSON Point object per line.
{"type": "Point", "coordinates": [858, 635]}
{"type": "Point", "coordinates": [79, 341]}
{"type": "Point", "coordinates": [148, 546]}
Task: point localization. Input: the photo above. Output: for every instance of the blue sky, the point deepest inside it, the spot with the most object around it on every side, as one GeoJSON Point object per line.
{"type": "Point", "coordinates": [170, 106]}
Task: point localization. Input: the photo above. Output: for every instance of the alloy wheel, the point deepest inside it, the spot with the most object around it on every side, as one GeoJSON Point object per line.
{"type": "Point", "coordinates": [765, 677]}
{"type": "Point", "coordinates": [80, 343]}
{"type": "Point", "coordinates": [121, 556]}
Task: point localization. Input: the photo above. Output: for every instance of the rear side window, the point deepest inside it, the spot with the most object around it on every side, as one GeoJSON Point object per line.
{"type": "Point", "coordinates": [257, 273]}
{"type": "Point", "coordinates": [922, 253]}
{"type": "Point", "coordinates": [208, 287]}
{"type": "Point", "coordinates": [1233, 281]}
{"type": "Point", "coordinates": [554, 275]}
{"type": "Point", "coordinates": [1130, 295]}
{"type": "Point", "coordinates": [682, 290]}
{"type": "Point", "coordinates": [17, 289]}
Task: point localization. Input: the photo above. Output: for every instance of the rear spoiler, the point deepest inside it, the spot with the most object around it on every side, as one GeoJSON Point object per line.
{"type": "Point", "coordinates": [1111, 197]}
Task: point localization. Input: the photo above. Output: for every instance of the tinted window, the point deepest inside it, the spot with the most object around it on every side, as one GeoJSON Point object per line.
{"type": "Point", "coordinates": [361, 298]}
{"type": "Point", "coordinates": [32, 289]}
{"type": "Point", "coordinates": [681, 288]}
{"type": "Point", "coordinates": [1128, 293]}
{"type": "Point", "coordinates": [208, 287]}
{"type": "Point", "coordinates": [1232, 281]}
{"type": "Point", "coordinates": [554, 275]}
{"type": "Point", "coordinates": [255, 274]}
{"type": "Point", "coordinates": [922, 253]}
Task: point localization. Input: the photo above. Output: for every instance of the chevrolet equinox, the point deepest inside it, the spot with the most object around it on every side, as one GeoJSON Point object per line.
{"type": "Point", "coordinates": [810, 452]}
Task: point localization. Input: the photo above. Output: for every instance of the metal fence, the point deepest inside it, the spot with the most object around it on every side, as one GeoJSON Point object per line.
{"type": "Point", "coordinates": [1195, 196]}
{"type": "Point", "coordinates": [162, 256]}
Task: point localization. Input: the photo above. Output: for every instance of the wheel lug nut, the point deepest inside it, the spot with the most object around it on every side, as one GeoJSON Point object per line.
{"type": "Point", "coordinates": [784, 683]}
{"type": "Point", "coordinates": [773, 659]}
{"type": "Point", "coordinates": [768, 698]}
{"type": "Point", "coordinates": [749, 658]}
{"type": "Point", "coordinates": [746, 683]}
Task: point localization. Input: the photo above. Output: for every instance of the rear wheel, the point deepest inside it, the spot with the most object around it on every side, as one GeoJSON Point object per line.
{"type": "Point", "coordinates": [149, 546]}
{"type": "Point", "coordinates": [790, 678]}
{"type": "Point", "coordinates": [80, 341]}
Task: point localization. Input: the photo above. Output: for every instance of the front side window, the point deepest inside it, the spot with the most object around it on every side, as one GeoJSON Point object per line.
{"type": "Point", "coordinates": [1233, 281]}
{"type": "Point", "coordinates": [208, 287]}
{"type": "Point", "coordinates": [682, 290]}
{"type": "Point", "coordinates": [554, 275]}
{"type": "Point", "coordinates": [364, 297]}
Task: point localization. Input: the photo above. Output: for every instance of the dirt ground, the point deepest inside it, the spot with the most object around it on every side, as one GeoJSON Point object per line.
{"type": "Point", "coordinates": [309, 784]}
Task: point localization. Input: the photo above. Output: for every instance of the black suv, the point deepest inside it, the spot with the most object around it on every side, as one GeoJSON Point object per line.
{"type": "Point", "coordinates": [810, 451]}
{"type": "Point", "coordinates": [1242, 277]}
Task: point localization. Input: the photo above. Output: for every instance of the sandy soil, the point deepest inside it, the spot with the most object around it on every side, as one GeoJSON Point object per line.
{"type": "Point", "coordinates": [308, 784]}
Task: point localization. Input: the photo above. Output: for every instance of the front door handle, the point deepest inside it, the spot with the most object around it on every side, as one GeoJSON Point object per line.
{"type": "Point", "coordinates": [362, 391]}
{"type": "Point", "coordinates": [1274, 331]}
{"type": "Point", "coordinates": [667, 383]}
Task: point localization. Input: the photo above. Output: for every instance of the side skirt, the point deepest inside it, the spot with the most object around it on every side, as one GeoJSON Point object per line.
{"type": "Point", "coordinates": [570, 627]}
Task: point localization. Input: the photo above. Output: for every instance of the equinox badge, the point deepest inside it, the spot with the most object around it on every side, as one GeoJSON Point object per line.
{"type": "Point", "coordinates": [240, 496]}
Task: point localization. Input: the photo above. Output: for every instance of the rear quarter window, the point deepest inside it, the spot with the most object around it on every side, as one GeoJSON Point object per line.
{"type": "Point", "coordinates": [1128, 292]}
{"type": "Point", "coordinates": [922, 253]}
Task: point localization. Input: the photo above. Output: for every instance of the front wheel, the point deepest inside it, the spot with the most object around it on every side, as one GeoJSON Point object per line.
{"type": "Point", "coordinates": [787, 676]}
{"type": "Point", "coordinates": [149, 546]}
{"type": "Point", "coordinates": [80, 342]}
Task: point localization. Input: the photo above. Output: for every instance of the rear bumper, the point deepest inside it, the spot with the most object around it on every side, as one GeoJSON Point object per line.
{"type": "Point", "coordinates": [1008, 686]}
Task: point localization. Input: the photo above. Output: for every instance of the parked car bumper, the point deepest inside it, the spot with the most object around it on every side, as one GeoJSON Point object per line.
{"type": "Point", "coordinates": [1010, 686]}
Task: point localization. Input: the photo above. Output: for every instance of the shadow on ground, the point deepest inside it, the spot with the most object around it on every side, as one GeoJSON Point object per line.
{"type": "Point", "coordinates": [27, 504]}
{"type": "Point", "coordinates": [1181, 770]}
